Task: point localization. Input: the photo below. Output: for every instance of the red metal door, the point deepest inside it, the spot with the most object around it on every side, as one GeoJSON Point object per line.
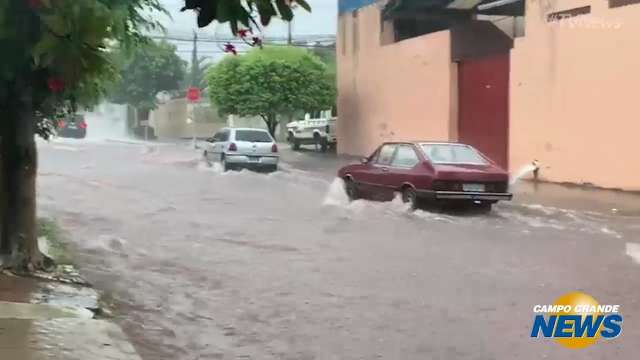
{"type": "Point", "coordinates": [483, 97]}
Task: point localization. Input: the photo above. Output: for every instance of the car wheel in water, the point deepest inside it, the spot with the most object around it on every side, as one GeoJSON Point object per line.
{"type": "Point", "coordinates": [351, 189]}
{"type": "Point", "coordinates": [410, 197]}
{"type": "Point", "coordinates": [223, 162]}
{"type": "Point", "coordinates": [205, 158]}
{"type": "Point", "coordinates": [317, 141]}
{"type": "Point", "coordinates": [324, 145]}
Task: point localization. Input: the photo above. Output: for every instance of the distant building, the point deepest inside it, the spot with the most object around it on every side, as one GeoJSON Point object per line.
{"type": "Point", "coordinates": [169, 120]}
{"type": "Point", "coordinates": [521, 80]}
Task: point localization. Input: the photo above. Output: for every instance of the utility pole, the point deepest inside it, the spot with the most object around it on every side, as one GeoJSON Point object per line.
{"type": "Point", "coordinates": [194, 82]}
{"type": "Point", "coordinates": [293, 6]}
{"type": "Point", "coordinates": [195, 63]}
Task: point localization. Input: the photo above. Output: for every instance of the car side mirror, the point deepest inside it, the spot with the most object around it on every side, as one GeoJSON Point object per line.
{"type": "Point", "coordinates": [364, 160]}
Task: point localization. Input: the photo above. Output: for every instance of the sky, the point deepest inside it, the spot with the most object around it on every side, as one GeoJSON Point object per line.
{"type": "Point", "coordinates": [322, 20]}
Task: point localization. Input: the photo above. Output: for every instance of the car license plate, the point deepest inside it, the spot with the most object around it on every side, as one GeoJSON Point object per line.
{"type": "Point", "coordinates": [473, 187]}
{"type": "Point", "coordinates": [254, 159]}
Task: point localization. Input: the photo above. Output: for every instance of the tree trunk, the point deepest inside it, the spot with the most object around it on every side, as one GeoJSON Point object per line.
{"type": "Point", "coordinates": [283, 127]}
{"type": "Point", "coordinates": [272, 124]}
{"type": "Point", "coordinates": [5, 247]}
{"type": "Point", "coordinates": [19, 160]}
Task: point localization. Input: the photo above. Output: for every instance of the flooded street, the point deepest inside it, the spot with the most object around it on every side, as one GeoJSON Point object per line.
{"type": "Point", "coordinates": [212, 265]}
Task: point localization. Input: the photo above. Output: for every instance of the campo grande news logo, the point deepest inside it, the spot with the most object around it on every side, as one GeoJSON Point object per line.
{"type": "Point", "coordinates": [576, 320]}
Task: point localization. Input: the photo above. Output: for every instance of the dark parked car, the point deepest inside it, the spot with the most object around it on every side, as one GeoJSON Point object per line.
{"type": "Point", "coordinates": [427, 172]}
{"type": "Point", "coordinates": [72, 126]}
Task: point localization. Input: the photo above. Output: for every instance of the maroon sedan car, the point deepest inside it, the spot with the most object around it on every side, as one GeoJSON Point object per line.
{"type": "Point", "coordinates": [421, 171]}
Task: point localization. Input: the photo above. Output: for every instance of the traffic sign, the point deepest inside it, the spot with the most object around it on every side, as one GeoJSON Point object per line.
{"type": "Point", "coordinates": [193, 94]}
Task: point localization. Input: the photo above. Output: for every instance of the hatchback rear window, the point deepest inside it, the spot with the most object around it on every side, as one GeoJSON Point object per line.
{"type": "Point", "coordinates": [253, 136]}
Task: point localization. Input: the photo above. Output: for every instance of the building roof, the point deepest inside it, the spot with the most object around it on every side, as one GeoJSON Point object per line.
{"type": "Point", "coordinates": [485, 7]}
{"type": "Point", "coordinates": [452, 7]}
{"type": "Point", "coordinates": [351, 5]}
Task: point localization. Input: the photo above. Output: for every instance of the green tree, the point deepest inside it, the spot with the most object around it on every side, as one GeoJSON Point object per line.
{"type": "Point", "coordinates": [148, 70]}
{"type": "Point", "coordinates": [269, 82]}
{"type": "Point", "coordinates": [327, 54]}
{"type": "Point", "coordinates": [55, 54]}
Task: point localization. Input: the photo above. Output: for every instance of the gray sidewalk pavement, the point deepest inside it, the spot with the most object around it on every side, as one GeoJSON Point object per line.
{"type": "Point", "coordinates": [64, 339]}
{"type": "Point", "coordinates": [39, 331]}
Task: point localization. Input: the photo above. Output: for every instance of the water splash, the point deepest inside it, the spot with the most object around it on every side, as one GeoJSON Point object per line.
{"type": "Point", "coordinates": [108, 243]}
{"type": "Point", "coordinates": [524, 171]}
{"type": "Point", "coordinates": [213, 167]}
{"type": "Point", "coordinates": [107, 121]}
{"type": "Point", "coordinates": [633, 251]}
{"type": "Point", "coordinates": [336, 196]}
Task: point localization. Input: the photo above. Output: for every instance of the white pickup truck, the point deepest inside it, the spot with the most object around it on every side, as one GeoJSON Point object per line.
{"type": "Point", "coordinates": [318, 132]}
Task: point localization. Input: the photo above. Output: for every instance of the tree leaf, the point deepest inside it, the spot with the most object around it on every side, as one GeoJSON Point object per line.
{"type": "Point", "coordinates": [285, 10]}
{"type": "Point", "coordinates": [57, 24]}
{"type": "Point", "coordinates": [47, 43]}
{"type": "Point", "coordinates": [304, 4]}
{"type": "Point", "coordinates": [223, 11]}
{"type": "Point", "coordinates": [266, 11]}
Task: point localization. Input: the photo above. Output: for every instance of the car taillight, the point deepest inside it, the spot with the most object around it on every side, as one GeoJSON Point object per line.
{"type": "Point", "coordinates": [274, 148]}
{"type": "Point", "coordinates": [233, 147]}
{"type": "Point", "coordinates": [61, 124]}
{"type": "Point", "coordinates": [83, 125]}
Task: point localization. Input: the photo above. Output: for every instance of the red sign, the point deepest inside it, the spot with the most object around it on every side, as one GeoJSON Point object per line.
{"type": "Point", "coordinates": [193, 94]}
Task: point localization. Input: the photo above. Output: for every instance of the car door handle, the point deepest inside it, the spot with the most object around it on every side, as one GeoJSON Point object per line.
{"type": "Point", "coordinates": [385, 169]}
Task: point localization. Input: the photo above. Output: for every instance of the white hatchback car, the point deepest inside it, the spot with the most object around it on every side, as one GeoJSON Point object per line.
{"type": "Point", "coordinates": [243, 148]}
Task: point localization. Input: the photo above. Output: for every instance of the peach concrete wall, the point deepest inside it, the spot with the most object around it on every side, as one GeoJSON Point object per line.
{"type": "Point", "coordinates": [574, 94]}
{"type": "Point", "coordinates": [400, 91]}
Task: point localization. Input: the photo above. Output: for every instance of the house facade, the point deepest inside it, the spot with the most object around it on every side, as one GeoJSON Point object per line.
{"type": "Point", "coordinates": [522, 80]}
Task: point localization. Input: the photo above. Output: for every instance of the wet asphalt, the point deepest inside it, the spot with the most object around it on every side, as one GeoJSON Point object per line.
{"type": "Point", "coordinates": [212, 265]}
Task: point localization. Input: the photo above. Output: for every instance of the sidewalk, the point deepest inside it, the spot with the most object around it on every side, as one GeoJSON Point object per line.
{"type": "Point", "coordinates": [575, 197]}
{"type": "Point", "coordinates": [45, 320]}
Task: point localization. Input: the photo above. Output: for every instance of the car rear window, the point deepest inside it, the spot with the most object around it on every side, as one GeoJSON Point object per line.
{"type": "Point", "coordinates": [253, 136]}
{"type": "Point", "coordinates": [453, 154]}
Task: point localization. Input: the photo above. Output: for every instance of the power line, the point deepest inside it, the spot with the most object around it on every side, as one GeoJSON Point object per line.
{"type": "Point", "coordinates": [235, 40]}
{"type": "Point", "coordinates": [296, 43]}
